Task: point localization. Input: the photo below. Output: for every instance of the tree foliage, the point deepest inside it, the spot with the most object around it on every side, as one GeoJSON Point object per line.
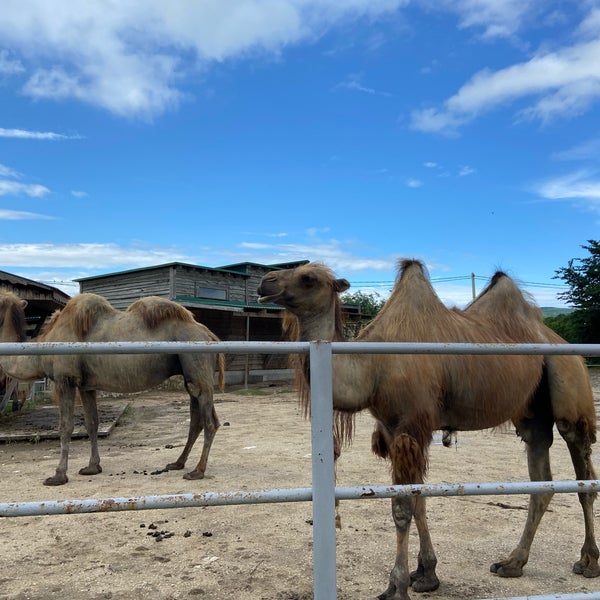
{"type": "Point", "coordinates": [582, 276]}
{"type": "Point", "coordinates": [370, 304]}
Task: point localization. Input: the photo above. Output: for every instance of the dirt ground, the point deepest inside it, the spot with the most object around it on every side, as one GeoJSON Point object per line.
{"type": "Point", "coordinates": [265, 551]}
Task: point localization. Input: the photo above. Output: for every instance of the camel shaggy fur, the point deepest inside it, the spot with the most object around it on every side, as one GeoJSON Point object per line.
{"type": "Point", "coordinates": [411, 396]}
{"type": "Point", "coordinates": [90, 318]}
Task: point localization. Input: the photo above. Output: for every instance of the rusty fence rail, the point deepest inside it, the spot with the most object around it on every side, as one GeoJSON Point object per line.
{"type": "Point", "coordinates": [323, 492]}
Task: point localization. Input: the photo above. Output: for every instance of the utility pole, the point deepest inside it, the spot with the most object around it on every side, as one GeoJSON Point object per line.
{"type": "Point", "coordinates": [473, 285]}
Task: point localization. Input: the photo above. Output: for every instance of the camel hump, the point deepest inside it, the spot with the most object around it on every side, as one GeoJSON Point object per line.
{"type": "Point", "coordinates": [79, 315]}
{"type": "Point", "coordinates": [154, 310]}
{"type": "Point", "coordinates": [405, 263]}
{"type": "Point", "coordinates": [509, 297]}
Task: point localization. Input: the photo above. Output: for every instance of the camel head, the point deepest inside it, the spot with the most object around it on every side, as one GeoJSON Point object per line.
{"type": "Point", "coordinates": [12, 316]}
{"type": "Point", "coordinates": [306, 290]}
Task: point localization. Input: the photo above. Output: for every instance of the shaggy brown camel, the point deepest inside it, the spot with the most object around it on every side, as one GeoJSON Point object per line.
{"type": "Point", "coordinates": [90, 318]}
{"type": "Point", "coordinates": [410, 396]}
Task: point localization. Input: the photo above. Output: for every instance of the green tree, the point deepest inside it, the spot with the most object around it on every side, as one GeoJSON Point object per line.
{"type": "Point", "coordinates": [565, 327]}
{"type": "Point", "coordinates": [370, 304]}
{"type": "Point", "coordinates": [582, 276]}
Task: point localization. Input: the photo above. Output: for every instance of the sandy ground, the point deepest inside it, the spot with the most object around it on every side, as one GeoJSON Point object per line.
{"type": "Point", "coordinates": [265, 551]}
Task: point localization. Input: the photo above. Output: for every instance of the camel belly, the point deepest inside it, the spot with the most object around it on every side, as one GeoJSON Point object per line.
{"type": "Point", "coordinates": [127, 373]}
{"type": "Point", "coordinates": [487, 391]}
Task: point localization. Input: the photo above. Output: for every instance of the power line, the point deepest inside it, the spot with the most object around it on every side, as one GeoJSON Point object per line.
{"type": "Point", "coordinates": [551, 286]}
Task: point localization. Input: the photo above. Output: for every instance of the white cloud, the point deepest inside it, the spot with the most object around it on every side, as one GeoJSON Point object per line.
{"type": "Point", "coordinates": [8, 172]}
{"type": "Point", "coordinates": [88, 255]}
{"type": "Point", "coordinates": [466, 170]}
{"type": "Point", "coordinates": [590, 149]}
{"type": "Point", "coordinates": [18, 215]}
{"type": "Point", "coordinates": [414, 183]}
{"type": "Point", "coordinates": [130, 58]}
{"type": "Point", "coordinates": [90, 258]}
{"type": "Point", "coordinates": [582, 186]}
{"type": "Point", "coordinates": [9, 66]}
{"type": "Point", "coordinates": [495, 18]}
{"type": "Point", "coordinates": [78, 194]}
{"type": "Point", "coordinates": [591, 24]}
{"type": "Point", "coordinates": [565, 83]}
{"type": "Point", "coordinates": [14, 188]}
{"type": "Point", "coordinates": [35, 135]}
{"type": "Point", "coordinates": [354, 82]}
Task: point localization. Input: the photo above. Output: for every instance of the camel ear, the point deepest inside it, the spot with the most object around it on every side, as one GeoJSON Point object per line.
{"type": "Point", "coordinates": [341, 285]}
{"type": "Point", "coordinates": [23, 303]}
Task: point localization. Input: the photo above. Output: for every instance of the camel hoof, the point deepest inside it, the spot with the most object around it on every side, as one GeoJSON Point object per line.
{"type": "Point", "coordinates": [56, 480]}
{"type": "Point", "coordinates": [90, 470]}
{"type": "Point", "coordinates": [505, 569]}
{"type": "Point", "coordinates": [425, 584]}
{"type": "Point", "coordinates": [584, 568]}
{"type": "Point", "coordinates": [392, 595]}
{"type": "Point", "coordinates": [174, 466]}
{"type": "Point", "coordinates": [194, 475]}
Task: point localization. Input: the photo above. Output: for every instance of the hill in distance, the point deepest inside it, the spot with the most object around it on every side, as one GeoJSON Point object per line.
{"type": "Point", "coordinates": [552, 311]}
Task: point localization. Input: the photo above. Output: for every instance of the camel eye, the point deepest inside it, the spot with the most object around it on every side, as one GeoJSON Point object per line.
{"type": "Point", "coordinates": [308, 280]}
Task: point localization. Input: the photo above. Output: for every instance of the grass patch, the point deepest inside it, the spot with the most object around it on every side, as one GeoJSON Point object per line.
{"type": "Point", "coordinates": [254, 392]}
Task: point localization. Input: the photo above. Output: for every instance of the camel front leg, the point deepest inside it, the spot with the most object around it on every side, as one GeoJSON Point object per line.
{"type": "Point", "coordinates": [408, 466]}
{"type": "Point", "coordinates": [424, 578]}
{"type": "Point", "coordinates": [402, 511]}
{"type": "Point", "coordinates": [90, 415]}
{"type": "Point", "coordinates": [64, 395]}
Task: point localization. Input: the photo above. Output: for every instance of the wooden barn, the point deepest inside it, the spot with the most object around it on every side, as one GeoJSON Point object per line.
{"type": "Point", "coordinates": [223, 298]}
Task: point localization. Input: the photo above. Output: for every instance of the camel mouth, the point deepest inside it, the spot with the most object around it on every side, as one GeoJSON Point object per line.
{"type": "Point", "coordinates": [272, 299]}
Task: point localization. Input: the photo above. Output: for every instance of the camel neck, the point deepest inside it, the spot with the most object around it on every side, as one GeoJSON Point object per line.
{"type": "Point", "coordinates": [319, 327]}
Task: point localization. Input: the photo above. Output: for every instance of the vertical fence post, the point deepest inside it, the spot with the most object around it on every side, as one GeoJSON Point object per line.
{"type": "Point", "coordinates": [323, 477]}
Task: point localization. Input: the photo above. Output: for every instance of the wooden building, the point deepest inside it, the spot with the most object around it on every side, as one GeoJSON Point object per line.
{"type": "Point", "coordinates": [224, 299]}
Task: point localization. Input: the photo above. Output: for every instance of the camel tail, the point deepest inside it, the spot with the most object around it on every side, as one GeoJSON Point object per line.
{"type": "Point", "coordinates": [221, 369]}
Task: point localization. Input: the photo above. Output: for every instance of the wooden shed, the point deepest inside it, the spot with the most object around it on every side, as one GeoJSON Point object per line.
{"type": "Point", "coordinates": [224, 299]}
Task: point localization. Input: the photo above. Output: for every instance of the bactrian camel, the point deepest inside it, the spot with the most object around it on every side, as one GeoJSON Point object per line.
{"type": "Point", "coordinates": [411, 396]}
{"type": "Point", "coordinates": [90, 318]}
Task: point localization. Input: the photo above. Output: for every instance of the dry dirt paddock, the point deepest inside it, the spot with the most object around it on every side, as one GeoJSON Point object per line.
{"type": "Point", "coordinates": [265, 551]}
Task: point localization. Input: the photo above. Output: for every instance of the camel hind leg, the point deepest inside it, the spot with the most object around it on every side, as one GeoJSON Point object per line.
{"type": "Point", "coordinates": [575, 414]}
{"type": "Point", "coordinates": [536, 432]}
{"type": "Point", "coordinates": [90, 415]}
{"type": "Point", "coordinates": [579, 442]}
{"type": "Point", "coordinates": [202, 417]}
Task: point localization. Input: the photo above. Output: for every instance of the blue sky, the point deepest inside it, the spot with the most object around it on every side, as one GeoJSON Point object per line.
{"type": "Point", "coordinates": [465, 133]}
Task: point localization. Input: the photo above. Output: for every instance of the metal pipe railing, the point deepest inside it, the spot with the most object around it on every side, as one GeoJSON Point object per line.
{"type": "Point", "coordinates": [323, 491]}
{"type": "Point", "coordinates": [359, 492]}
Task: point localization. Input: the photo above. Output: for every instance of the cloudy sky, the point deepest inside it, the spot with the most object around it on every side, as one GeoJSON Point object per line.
{"type": "Point", "coordinates": [354, 132]}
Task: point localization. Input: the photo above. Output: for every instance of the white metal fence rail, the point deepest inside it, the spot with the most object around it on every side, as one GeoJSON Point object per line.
{"type": "Point", "coordinates": [323, 491]}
